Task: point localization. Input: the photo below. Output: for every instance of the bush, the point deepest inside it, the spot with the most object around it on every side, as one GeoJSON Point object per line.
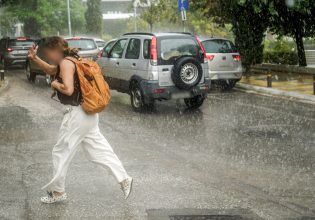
{"type": "Point", "coordinates": [281, 57]}
{"type": "Point", "coordinates": [280, 51]}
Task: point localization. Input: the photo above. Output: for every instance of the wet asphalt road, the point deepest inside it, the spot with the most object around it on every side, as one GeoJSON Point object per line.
{"type": "Point", "coordinates": [239, 151]}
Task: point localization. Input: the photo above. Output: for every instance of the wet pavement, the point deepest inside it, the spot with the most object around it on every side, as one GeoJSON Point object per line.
{"type": "Point", "coordinates": [239, 152]}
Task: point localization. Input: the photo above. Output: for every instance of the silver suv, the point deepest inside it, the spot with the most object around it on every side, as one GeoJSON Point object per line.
{"type": "Point", "coordinates": [160, 66]}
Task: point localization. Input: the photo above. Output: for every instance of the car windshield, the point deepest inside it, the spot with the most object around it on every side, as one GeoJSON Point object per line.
{"type": "Point", "coordinates": [173, 48]}
{"type": "Point", "coordinates": [219, 46]}
{"type": "Point", "coordinates": [21, 43]}
{"type": "Point", "coordinates": [82, 44]}
{"type": "Point", "coordinates": [100, 43]}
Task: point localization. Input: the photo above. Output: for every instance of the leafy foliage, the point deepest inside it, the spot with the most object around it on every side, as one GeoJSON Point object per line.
{"type": "Point", "coordinates": [94, 17]}
{"type": "Point", "coordinates": [44, 17]}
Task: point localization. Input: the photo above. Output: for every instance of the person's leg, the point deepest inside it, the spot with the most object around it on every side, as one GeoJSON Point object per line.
{"type": "Point", "coordinates": [73, 130]}
{"type": "Point", "coordinates": [99, 151]}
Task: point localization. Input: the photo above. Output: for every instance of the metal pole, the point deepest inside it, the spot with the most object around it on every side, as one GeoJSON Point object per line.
{"type": "Point", "coordinates": [69, 18]}
{"type": "Point", "coordinates": [269, 80]}
{"type": "Point", "coordinates": [135, 15]}
{"type": "Point", "coordinates": [1, 74]}
{"type": "Point", "coordinates": [314, 84]}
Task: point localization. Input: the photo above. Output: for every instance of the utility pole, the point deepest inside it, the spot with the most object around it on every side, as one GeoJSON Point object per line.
{"type": "Point", "coordinates": [135, 18]}
{"type": "Point", "coordinates": [69, 18]}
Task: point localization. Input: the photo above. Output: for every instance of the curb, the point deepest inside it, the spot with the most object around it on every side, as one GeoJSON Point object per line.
{"type": "Point", "coordinates": [4, 86]}
{"type": "Point", "coordinates": [310, 99]}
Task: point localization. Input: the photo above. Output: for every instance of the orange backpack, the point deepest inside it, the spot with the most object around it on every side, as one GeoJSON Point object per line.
{"type": "Point", "coordinates": [94, 89]}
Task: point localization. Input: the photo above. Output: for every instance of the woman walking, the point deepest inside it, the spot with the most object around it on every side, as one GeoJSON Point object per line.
{"type": "Point", "coordinates": [78, 129]}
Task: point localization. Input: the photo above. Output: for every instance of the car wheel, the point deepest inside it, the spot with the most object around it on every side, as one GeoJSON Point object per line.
{"type": "Point", "coordinates": [187, 73]}
{"type": "Point", "coordinates": [137, 99]}
{"type": "Point", "coordinates": [226, 85]}
{"type": "Point", "coordinates": [31, 76]}
{"type": "Point", "coordinates": [195, 102]}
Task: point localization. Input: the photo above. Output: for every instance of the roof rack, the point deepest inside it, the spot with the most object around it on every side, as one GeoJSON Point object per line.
{"type": "Point", "coordinates": [176, 32]}
{"type": "Point", "coordinates": [139, 33]}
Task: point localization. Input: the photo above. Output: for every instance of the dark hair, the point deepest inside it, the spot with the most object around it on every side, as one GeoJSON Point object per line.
{"type": "Point", "coordinates": [57, 42]}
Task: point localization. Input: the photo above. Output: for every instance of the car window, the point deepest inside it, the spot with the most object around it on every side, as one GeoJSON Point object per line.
{"type": "Point", "coordinates": [146, 48]}
{"type": "Point", "coordinates": [133, 49]}
{"type": "Point", "coordinates": [118, 49]}
{"type": "Point", "coordinates": [100, 43]}
{"type": "Point", "coordinates": [108, 47]}
{"type": "Point", "coordinates": [82, 44]}
{"type": "Point", "coordinates": [219, 46]}
{"type": "Point", "coordinates": [20, 43]}
{"type": "Point", "coordinates": [172, 48]}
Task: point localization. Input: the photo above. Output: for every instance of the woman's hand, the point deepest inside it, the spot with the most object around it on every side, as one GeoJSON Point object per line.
{"type": "Point", "coordinates": [54, 85]}
{"type": "Point", "coordinates": [32, 52]}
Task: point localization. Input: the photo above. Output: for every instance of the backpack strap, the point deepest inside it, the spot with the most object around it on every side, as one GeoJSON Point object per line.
{"type": "Point", "coordinates": [73, 59]}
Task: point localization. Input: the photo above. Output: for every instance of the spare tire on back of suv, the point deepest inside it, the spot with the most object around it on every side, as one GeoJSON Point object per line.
{"type": "Point", "coordinates": [187, 73]}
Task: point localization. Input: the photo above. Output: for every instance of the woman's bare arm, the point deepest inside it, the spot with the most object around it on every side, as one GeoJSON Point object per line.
{"type": "Point", "coordinates": [67, 70]}
{"type": "Point", "coordinates": [44, 66]}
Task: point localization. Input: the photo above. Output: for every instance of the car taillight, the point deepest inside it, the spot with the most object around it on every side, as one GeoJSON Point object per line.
{"type": "Point", "coordinates": [202, 49]}
{"type": "Point", "coordinates": [237, 58]}
{"type": "Point", "coordinates": [9, 49]}
{"type": "Point", "coordinates": [153, 55]}
{"type": "Point", "coordinates": [210, 57]}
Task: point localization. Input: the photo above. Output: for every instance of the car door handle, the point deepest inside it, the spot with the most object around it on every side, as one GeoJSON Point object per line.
{"type": "Point", "coordinates": [165, 69]}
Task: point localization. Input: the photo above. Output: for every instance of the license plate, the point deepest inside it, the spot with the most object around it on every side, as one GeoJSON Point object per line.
{"type": "Point", "coordinates": [21, 52]}
{"type": "Point", "coordinates": [181, 95]}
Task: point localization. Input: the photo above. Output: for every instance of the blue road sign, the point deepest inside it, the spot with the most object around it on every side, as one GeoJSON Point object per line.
{"type": "Point", "coordinates": [183, 5]}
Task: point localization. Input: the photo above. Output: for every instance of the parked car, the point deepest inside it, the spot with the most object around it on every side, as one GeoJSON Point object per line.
{"type": "Point", "coordinates": [87, 46]}
{"type": "Point", "coordinates": [13, 51]}
{"type": "Point", "coordinates": [31, 68]}
{"type": "Point", "coordinates": [160, 66]}
{"type": "Point", "coordinates": [225, 66]}
{"type": "Point", "coordinates": [106, 48]}
{"type": "Point", "coordinates": [100, 43]}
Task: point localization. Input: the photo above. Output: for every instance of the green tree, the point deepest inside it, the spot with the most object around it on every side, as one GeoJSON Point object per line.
{"type": "Point", "coordinates": [44, 17]}
{"type": "Point", "coordinates": [249, 19]}
{"type": "Point", "coordinates": [152, 14]}
{"type": "Point", "coordinates": [295, 19]}
{"type": "Point", "coordinates": [94, 17]}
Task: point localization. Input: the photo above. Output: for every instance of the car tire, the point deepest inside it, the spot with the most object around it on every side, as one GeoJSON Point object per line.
{"type": "Point", "coordinates": [226, 85]}
{"type": "Point", "coordinates": [31, 76]}
{"type": "Point", "coordinates": [187, 73]}
{"type": "Point", "coordinates": [195, 102]}
{"type": "Point", "coordinates": [137, 99]}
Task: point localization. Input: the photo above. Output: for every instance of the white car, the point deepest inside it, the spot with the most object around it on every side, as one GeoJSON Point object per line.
{"type": "Point", "coordinates": [87, 46]}
{"type": "Point", "coordinates": [224, 61]}
{"type": "Point", "coordinates": [100, 43]}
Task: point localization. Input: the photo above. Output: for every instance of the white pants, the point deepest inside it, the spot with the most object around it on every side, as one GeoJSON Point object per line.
{"type": "Point", "coordinates": [79, 129]}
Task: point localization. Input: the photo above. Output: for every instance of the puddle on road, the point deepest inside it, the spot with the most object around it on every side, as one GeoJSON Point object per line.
{"type": "Point", "coordinates": [201, 214]}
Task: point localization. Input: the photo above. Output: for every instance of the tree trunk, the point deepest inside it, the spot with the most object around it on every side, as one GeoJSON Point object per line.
{"type": "Point", "coordinates": [300, 48]}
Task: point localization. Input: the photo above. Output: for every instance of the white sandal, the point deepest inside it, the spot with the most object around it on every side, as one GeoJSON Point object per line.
{"type": "Point", "coordinates": [51, 198]}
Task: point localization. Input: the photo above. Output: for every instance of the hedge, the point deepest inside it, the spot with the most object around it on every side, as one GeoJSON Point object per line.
{"type": "Point", "coordinates": [281, 57]}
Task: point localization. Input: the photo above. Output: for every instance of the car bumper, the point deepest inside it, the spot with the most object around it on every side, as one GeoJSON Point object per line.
{"type": "Point", "coordinates": [15, 60]}
{"type": "Point", "coordinates": [226, 75]}
{"type": "Point", "coordinates": [152, 90]}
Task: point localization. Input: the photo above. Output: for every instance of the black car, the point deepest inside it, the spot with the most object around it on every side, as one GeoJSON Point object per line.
{"type": "Point", "coordinates": [13, 51]}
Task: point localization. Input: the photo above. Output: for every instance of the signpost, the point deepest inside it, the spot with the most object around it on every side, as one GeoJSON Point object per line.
{"type": "Point", "coordinates": [183, 6]}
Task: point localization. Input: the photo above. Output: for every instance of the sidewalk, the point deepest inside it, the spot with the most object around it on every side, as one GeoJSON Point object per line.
{"type": "Point", "coordinates": [292, 85]}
